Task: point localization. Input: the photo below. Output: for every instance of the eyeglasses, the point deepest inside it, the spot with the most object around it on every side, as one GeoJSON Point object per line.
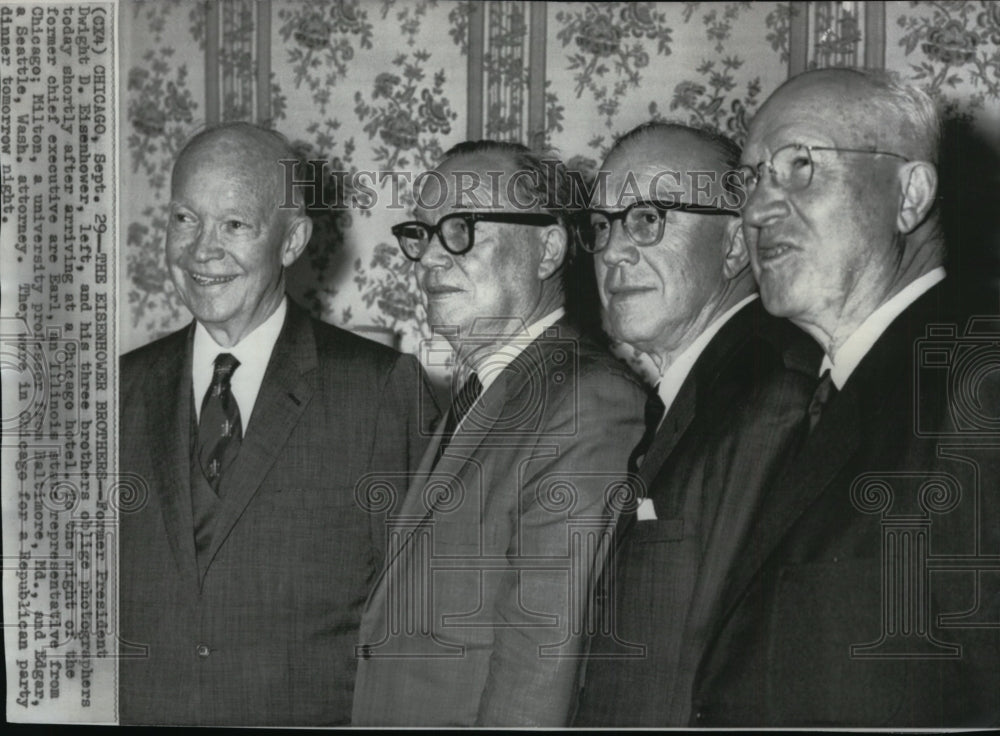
{"type": "Point", "coordinates": [792, 166]}
{"type": "Point", "coordinates": [458, 230]}
{"type": "Point", "coordinates": [643, 221]}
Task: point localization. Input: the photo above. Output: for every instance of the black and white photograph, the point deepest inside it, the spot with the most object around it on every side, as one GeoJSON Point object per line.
{"type": "Point", "coordinates": [503, 363]}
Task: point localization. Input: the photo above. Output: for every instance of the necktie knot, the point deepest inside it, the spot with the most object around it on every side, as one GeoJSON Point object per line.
{"type": "Point", "coordinates": [225, 365]}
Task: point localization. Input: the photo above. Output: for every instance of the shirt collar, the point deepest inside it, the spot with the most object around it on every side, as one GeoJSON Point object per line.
{"type": "Point", "coordinates": [677, 372]}
{"type": "Point", "coordinates": [506, 355]}
{"type": "Point", "coordinates": [253, 352]}
{"type": "Point", "coordinates": [856, 347]}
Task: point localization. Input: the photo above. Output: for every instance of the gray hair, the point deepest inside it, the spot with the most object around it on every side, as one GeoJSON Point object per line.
{"type": "Point", "coordinates": [920, 120]}
{"type": "Point", "coordinates": [728, 150]}
{"type": "Point", "coordinates": [547, 186]}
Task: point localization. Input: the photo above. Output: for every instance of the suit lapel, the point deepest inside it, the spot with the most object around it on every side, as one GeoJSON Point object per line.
{"type": "Point", "coordinates": [530, 364]}
{"type": "Point", "coordinates": [499, 408]}
{"type": "Point", "coordinates": [824, 454]}
{"type": "Point", "coordinates": [713, 361]}
{"type": "Point", "coordinates": [827, 450]}
{"type": "Point", "coordinates": [169, 417]}
{"type": "Point", "coordinates": [670, 431]}
{"type": "Point", "coordinates": [288, 385]}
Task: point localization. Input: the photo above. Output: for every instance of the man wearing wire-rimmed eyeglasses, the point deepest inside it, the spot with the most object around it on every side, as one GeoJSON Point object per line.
{"type": "Point", "coordinates": [478, 617]}
{"type": "Point", "coordinates": [675, 282]}
{"type": "Point", "coordinates": [866, 593]}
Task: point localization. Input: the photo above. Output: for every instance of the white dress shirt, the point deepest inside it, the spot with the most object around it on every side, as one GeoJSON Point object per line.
{"type": "Point", "coordinates": [677, 372]}
{"type": "Point", "coordinates": [856, 347]}
{"type": "Point", "coordinates": [253, 352]}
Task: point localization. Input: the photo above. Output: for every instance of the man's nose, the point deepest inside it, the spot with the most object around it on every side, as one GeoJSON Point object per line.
{"type": "Point", "coordinates": [436, 256]}
{"type": "Point", "coordinates": [767, 203]}
{"type": "Point", "coordinates": [620, 248]}
{"type": "Point", "coordinates": [206, 246]}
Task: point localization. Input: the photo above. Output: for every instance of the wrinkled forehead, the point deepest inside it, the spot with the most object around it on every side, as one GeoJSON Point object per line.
{"type": "Point", "coordinates": [473, 182]}
{"type": "Point", "coordinates": [246, 162]}
{"type": "Point", "coordinates": [675, 167]}
{"type": "Point", "coordinates": [228, 176]}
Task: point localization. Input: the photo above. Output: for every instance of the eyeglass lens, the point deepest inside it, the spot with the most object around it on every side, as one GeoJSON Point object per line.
{"type": "Point", "coordinates": [415, 238]}
{"type": "Point", "coordinates": [642, 223]}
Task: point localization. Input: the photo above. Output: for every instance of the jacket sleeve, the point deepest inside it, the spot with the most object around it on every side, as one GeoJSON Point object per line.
{"type": "Point", "coordinates": [407, 415]}
{"type": "Point", "coordinates": [580, 456]}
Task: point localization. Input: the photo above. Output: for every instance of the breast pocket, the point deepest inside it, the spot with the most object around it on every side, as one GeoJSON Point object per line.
{"type": "Point", "coordinates": [657, 530]}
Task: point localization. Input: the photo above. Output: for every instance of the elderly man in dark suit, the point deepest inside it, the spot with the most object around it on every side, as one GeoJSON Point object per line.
{"type": "Point", "coordinates": [244, 574]}
{"type": "Point", "coordinates": [675, 282]}
{"type": "Point", "coordinates": [832, 616]}
{"type": "Point", "coordinates": [477, 618]}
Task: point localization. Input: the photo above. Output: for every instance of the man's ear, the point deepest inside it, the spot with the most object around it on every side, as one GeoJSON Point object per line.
{"type": "Point", "coordinates": [918, 186]}
{"type": "Point", "coordinates": [554, 244]}
{"type": "Point", "coordinates": [297, 236]}
{"type": "Point", "coordinates": [737, 254]}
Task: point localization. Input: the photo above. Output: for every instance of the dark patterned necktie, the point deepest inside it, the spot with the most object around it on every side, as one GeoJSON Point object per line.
{"type": "Point", "coordinates": [220, 428]}
{"type": "Point", "coordinates": [820, 396]}
{"type": "Point", "coordinates": [467, 396]}
{"type": "Point", "coordinates": [652, 417]}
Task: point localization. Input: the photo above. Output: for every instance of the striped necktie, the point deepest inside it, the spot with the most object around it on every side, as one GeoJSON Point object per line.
{"type": "Point", "coordinates": [467, 396]}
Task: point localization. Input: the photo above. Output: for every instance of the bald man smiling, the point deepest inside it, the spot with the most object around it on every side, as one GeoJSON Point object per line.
{"type": "Point", "coordinates": [244, 573]}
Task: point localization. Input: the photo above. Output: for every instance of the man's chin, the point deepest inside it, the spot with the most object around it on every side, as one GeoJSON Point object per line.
{"type": "Point", "coordinates": [777, 301]}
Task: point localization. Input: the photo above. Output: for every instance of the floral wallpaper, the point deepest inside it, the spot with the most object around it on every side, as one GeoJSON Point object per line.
{"type": "Point", "coordinates": [382, 85]}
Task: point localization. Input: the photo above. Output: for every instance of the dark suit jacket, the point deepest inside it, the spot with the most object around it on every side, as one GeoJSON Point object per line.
{"type": "Point", "coordinates": [477, 618]}
{"type": "Point", "coordinates": [740, 410]}
{"type": "Point", "coordinates": [831, 617]}
{"type": "Point", "coordinates": [268, 635]}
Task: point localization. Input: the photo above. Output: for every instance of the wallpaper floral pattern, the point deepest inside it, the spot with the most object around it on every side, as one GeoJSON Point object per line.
{"type": "Point", "coordinates": [380, 85]}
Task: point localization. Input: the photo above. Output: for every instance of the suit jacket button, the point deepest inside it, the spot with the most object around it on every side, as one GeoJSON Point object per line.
{"type": "Point", "coordinates": [366, 651]}
{"type": "Point", "coordinates": [202, 650]}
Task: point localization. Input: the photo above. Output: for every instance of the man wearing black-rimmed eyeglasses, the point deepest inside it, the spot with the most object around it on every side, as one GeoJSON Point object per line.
{"type": "Point", "coordinates": [478, 617]}
{"type": "Point", "coordinates": [675, 283]}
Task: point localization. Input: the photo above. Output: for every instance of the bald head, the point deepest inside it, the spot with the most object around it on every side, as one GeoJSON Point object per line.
{"type": "Point", "coordinates": [865, 108]}
{"type": "Point", "coordinates": [674, 162]}
{"type": "Point", "coordinates": [707, 144]}
{"type": "Point", "coordinates": [246, 148]}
